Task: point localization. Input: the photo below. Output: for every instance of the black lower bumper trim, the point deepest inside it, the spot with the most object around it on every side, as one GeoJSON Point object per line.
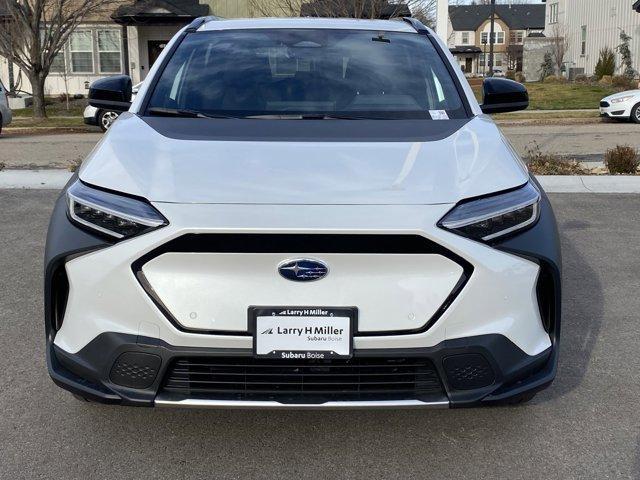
{"type": "Point", "coordinates": [507, 370]}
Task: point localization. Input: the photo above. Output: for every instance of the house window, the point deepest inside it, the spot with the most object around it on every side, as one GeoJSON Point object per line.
{"type": "Point", "coordinates": [553, 13]}
{"type": "Point", "coordinates": [465, 38]}
{"type": "Point", "coordinates": [498, 37]}
{"type": "Point", "coordinates": [57, 65]}
{"type": "Point", "coordinates": [583, 43]}
{"type": "Point", "coordinates": [497, 60]}
{"type": "Point", "coordinates": [109, 54]}
{"type": "Point", "coordinates": [516, 36]}
{"type": "Point", "coordinates": [81, 51]}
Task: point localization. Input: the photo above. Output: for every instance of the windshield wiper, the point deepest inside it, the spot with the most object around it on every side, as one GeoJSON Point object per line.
{"type": "Point", "coordinates": [185, 113]}
{"type": "Point", "coordinates": [188, 113]}
{"type": "Point", "coordinates": [307, 116]}
{"type": "Point", "coordinates": [331, 116]}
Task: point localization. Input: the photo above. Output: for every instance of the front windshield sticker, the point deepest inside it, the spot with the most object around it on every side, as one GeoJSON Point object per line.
{"type": "Point", "coordinates": [438, 114]}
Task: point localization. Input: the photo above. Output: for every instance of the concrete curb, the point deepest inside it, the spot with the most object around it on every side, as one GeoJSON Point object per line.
{"type": "Point", "coordinates": [34, 179]}
{"type": "Point", "coordinates": [56, 179]}
{"type": "Point", "coordinates": [590, 183]}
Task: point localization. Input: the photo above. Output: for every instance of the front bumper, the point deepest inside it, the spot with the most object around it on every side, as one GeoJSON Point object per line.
{"type": "Point", "coordinates": [616, 110]}
{"type": "Point", "coordinates": [93, 371]}
{"type": "Point", "coordinates": [90, 115]}
{"type": "Point", "coordinates": [516, 341]}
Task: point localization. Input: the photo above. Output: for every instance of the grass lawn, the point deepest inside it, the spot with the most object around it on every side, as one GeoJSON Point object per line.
{"type": "Point", "coordinates": [525, 115]}
{"type": "Point", "coordinates": [28, 122]}
{"type": "Point", "coordinates": [546, 96]}
{"type": "Point", "coordinates": [56, 109]}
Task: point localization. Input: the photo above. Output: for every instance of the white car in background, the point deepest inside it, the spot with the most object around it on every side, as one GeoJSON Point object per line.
{"type": "Point", "coordinates": [5, 111]}
{"type": "Point", "coordinates": [623, 105]}
{"type": "Point", "coordinates": [104, 118]}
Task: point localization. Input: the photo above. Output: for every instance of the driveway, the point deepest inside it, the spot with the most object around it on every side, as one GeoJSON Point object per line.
{"type": "Point", "coordinates": [587, 142]}
{"type": "Point", "coordinates": [586, 425]}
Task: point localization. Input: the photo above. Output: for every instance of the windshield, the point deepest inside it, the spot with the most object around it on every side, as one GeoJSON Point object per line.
{"type": "Point", "coordinates": [308, 73]}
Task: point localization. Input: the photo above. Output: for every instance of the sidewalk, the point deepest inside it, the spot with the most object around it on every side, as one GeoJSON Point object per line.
{"type": "Point", "coordinates": [56, 179]}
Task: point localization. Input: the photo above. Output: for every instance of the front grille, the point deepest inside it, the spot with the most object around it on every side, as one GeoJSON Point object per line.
{"type": "Point", "coordinates": [604, 104]}
{"type": "Point", "coordinates": [285, 381]}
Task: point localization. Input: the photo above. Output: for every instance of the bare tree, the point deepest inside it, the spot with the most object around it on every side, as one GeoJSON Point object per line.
{"type": "Point", "coordinates": [559, 46]}
{"type": "Point", "coordinates": [424, 10]}
{"type": "Point", "coordinates": [34, 31]}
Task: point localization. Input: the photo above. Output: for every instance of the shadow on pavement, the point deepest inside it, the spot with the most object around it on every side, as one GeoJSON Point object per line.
{"type": "Point", "coordinates": [582, 312]}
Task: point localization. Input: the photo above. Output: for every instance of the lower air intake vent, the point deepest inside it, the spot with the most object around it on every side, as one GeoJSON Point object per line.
{"type": "Point", "coordinates": [466, 372]}
{"type": "Point", "coordinates": [284, 381]}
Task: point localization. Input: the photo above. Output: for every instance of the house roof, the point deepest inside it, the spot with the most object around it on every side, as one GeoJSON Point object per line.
{"type": "Point", "coordinates": [159, 11]}
{"type": "Point", "coordinates": [517, 17]}
{"type": "Point", "coordinates": [324, 8]}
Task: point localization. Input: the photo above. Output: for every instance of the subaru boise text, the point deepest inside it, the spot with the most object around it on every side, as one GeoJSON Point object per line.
{"type": "Point", "coordinates": [303, 213]}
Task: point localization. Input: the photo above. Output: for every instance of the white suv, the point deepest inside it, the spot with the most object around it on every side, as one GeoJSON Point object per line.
{"type": "Point", "coordinates": [5, 111]}
{"type": "Point", "coordinates": [303, 213]}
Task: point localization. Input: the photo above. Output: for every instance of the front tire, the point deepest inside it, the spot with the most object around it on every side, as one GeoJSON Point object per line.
{"type": "Point", "coordinates": [635, 114]}
{"type": "Point", "coordinates": [106, 119]}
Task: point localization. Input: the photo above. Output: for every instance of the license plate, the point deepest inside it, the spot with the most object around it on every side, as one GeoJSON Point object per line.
{"type": "Point", "coordinates": [302, 333]}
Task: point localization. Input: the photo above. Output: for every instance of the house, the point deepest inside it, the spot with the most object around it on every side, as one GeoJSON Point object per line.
{"type": "Point", "coordinates": [126, 39]}
{"type": "Point", "coordinates": [469, 28]}
{"type": "Point", "coordinates": [591, 25]}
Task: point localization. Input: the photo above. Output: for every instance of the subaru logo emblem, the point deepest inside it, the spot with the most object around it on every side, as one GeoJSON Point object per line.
{"type": "Point", "coordinates": [303, 270]}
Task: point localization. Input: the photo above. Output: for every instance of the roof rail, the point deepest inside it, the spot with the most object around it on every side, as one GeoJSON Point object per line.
{"type": "Point", "coordinates": [417, 24]}
{"type": "Point", "coordinates": [198, 22]}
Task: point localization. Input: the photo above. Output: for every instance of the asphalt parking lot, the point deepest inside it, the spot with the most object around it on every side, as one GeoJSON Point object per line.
{"type": "Point", "coordinates": [586, 425]}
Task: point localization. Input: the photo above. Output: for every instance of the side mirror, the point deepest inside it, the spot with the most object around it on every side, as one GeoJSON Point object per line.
{"type": "Point", "coordinates": [501, 95]}
{"type": "Point", "coordinates": [111, 93]}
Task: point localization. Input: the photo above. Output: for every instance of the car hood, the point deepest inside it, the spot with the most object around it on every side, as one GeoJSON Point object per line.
{"type": "Point", "coordinates": [136, 159]}
{"type": "Point", "coordinates": [622, 94]}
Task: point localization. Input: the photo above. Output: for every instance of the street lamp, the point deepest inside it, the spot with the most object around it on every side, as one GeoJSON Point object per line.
{"type": "Point", "coordinates": [491, 37]}
{"type": "Point", "coordinates": [484, 56]}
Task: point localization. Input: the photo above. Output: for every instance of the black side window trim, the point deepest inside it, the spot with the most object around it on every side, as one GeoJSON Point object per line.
{"type": "Point", "coordinates": [158, 75]}
{"type": "Point", "coordinates": [452, 72]}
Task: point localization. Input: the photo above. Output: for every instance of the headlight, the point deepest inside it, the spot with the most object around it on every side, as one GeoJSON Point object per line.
{"type": "Point", "coordinates": [111, 214]}
{"type": "Point", "coordinates": [628, 98]}
{"type": "Point", "coordinates": [491, 217]}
